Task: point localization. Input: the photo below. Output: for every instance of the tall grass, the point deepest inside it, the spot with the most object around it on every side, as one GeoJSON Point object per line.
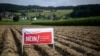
{"type": "Point", "coordinates": [90, 21]}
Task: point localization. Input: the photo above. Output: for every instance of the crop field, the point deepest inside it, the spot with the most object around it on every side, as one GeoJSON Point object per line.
{"type": "Point", "coordinates": [69, 41]}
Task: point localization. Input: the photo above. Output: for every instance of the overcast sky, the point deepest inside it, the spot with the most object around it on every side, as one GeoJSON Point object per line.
{"type": "Point", "coordinates": [51, 2]}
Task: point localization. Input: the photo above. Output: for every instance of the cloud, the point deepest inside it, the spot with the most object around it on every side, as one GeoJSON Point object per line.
{"type": "Point", "coordinates": [51, 2]}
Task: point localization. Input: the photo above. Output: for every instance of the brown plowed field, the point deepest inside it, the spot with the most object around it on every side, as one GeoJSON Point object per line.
{"type": "Point", "coordinates": [69, 41]}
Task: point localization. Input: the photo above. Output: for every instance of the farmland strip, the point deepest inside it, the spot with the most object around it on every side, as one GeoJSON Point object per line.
{"type": "Point", "coordinates": [2, 33]}
{"type": "Point", "coordinates": [78, 41]}
{"type": "Point", "coordinates": [69, 51]}
{"type": "Point", "coordinates": [77, 47]}
{"type": "Point", "coordinates": [46, 50]}
{"type": "Point", "coordinates": [9, 47]}
{"type": "Point", "coordinates": [84, 34]}
{"type": "Point", "coordinates": [30, 51]}
{"type": "Point", "coordinates": [83, 39]}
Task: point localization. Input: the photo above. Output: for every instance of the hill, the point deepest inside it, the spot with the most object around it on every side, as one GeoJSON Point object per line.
{"type": "Point", "coordinates": [14, 8]}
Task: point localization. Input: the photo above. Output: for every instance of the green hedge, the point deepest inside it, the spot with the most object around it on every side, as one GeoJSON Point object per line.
{"type": "Point", "coordinates": [91, 21]}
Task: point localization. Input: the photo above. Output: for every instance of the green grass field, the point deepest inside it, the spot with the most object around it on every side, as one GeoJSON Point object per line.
{"type": "Point", "coordinates": [21, 22]}
{"type": "Point", "coordinates": [10, 22]}
{"type": "Point", "coordinates": [89, 21]}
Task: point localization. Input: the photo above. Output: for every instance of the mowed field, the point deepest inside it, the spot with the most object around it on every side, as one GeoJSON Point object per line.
{"type": "Point", "coordinates": [69, 41]}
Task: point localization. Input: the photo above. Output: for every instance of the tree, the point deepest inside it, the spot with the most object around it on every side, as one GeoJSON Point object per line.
{"type": "Point", "coordinates": [0, 18]}
{"type": "Point", "coordinates": [23, 14]}
{"type": "Point", "coordinates": [16, 18]}
{"type": "Point", "coordinates": [53, 17]}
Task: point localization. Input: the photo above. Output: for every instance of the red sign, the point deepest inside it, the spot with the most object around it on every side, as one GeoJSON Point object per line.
{"type": "Point", "coordinates": [42, 37]}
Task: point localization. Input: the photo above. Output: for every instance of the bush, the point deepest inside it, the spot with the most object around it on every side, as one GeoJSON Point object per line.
{"type": "Point", "coordinates": [16, 18]}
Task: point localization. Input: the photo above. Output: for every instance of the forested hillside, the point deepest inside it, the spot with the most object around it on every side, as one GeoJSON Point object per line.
{"type": "Point", "coordinates": [16, 8]}
{"type": "Point", "coordinates": [86, 10]}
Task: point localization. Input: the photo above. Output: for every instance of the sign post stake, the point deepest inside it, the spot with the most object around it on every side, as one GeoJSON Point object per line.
{"type": "Point", "coordinates": [22, 49]}
{"type": "Point", "coordinates": [22, 45]}
{"type": "Point", "coordinates": [54, 46]}
{"type": "Point", "coordinates": [22, 42]}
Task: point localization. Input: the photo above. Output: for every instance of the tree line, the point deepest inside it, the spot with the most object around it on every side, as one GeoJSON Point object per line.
{"type": "Point", "coordinates": [16, 8]}
{"type": "Point", "coordinates": [86, 10]}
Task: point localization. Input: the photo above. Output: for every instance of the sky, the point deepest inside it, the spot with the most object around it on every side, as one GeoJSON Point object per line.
{"type": "Point", "coordinates": [51, 2]}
